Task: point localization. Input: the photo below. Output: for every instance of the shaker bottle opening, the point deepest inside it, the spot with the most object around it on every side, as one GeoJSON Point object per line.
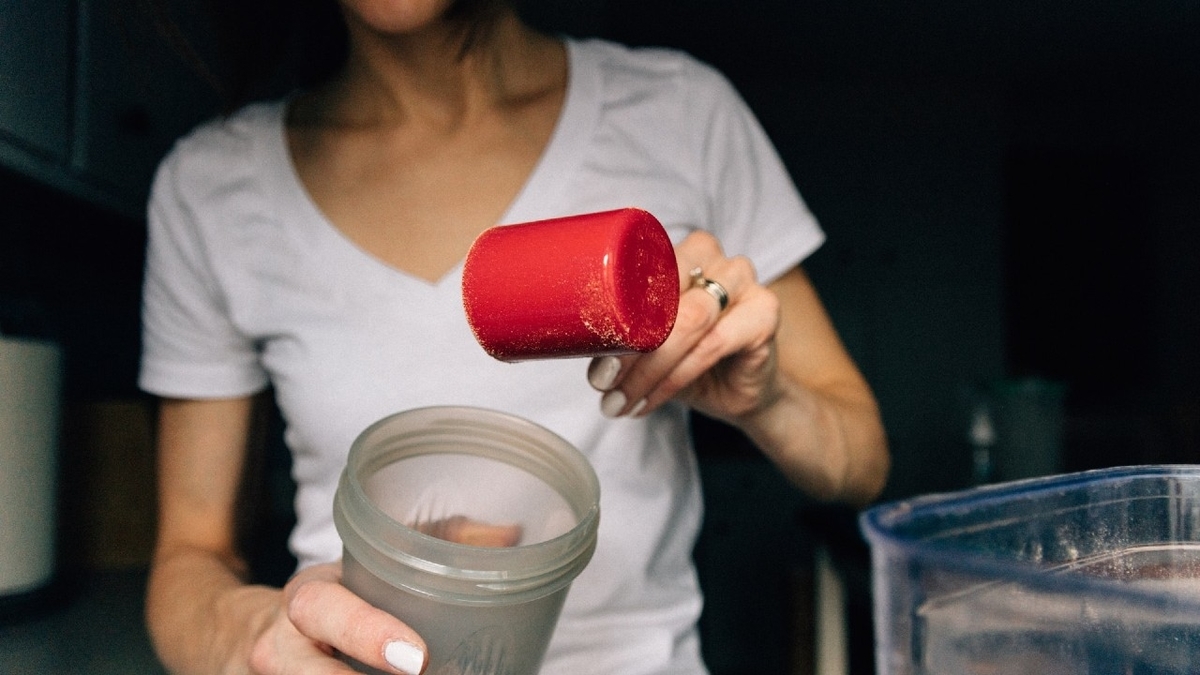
{"type": "Point", "coordinates": [471, 500]}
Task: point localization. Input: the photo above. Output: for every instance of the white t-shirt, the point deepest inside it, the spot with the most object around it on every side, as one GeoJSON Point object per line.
{"type": "Point", "coordinates": [248, 284]}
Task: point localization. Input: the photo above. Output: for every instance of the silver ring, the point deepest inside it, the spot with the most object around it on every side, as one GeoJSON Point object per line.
{"type": "Point", "coordinates": [711, 287]}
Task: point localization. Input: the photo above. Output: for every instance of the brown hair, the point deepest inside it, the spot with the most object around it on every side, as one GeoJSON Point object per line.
{"type": "Point", "coordinates": [248, 50]}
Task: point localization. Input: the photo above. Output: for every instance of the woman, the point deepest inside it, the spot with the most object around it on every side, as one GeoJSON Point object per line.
{"type": "Point", "coordinates": [314, 245]}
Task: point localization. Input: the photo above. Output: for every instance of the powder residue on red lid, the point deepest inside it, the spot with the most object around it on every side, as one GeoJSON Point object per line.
{"type": "Point", "coordinates": [584, 285]}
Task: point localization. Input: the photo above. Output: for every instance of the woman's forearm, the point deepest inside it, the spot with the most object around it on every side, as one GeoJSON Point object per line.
{"type": "Point", "coordinates": [830, 444]}
{"type": "Point", "coordinates": [202, 617]}
{"type": "Point", "coordinates": [818, 420]}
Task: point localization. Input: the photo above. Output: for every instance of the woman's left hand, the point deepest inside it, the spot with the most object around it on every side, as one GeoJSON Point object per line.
{"type": "Point", "coordinates": [769, 362]}
{"type": "Point", "coordinates": [720, 361]}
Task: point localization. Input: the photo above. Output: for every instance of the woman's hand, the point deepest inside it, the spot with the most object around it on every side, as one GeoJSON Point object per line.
{"type": "Point", "coordinates": [721, 362]}
{"type": "Point", "coordinates": [202, 615]}
{"type": "Point", "coordinates": [205, 620]}
{"type": "Point", "coordinates": [769, 362]}
{"type": "Point", "coordinates": [318, 618]}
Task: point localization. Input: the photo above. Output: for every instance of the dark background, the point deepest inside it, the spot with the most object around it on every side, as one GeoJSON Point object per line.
{"type": "Point", "coordinates": [1010, 190]}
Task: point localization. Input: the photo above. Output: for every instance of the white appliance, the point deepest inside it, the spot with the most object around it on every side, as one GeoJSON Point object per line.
{"type": "Point", "coordinates": [30, 414]}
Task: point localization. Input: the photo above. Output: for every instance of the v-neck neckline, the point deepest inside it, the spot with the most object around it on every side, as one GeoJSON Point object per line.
{"type": "Point", "coordinates": [534, 200]}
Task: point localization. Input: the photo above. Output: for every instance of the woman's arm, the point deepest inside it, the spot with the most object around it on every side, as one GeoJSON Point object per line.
{"type": "Point", "coordinates": [202, 618]}
{"type": "Point", "coordinates": [771, 364]}
{"type": "Point", "coordinates": [822, 426]}
{"type": "Point", "coordinates": [202, 615]}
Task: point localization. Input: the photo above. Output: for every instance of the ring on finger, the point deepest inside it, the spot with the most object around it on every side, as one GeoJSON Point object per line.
{"type": "Point", "coordinates": [716, 290]}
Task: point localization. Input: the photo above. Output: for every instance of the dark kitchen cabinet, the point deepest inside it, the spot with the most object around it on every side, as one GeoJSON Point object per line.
{"type": "Point", "coordinates": [36, 62]}
{"type": "Point", "coordinates": [92, 97]}
{"type": "Point", "coordinates": [136, 97]}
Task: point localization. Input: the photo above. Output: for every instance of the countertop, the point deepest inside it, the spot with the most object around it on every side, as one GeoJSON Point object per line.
{"type": "Point", "coordinates": [96, 628]}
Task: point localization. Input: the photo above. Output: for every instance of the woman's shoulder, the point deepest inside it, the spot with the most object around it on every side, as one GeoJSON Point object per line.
{"type": "Point", "coordinates": [234, 133]}
{"type": "Point", "coordinates": [223, 150]}
{"type": "Point", "coordinates": [651, 68]}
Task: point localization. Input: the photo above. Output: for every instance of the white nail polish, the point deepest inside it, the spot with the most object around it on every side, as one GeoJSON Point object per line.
{"type": "Point", "coordinates": [404, 656]}
{"type": "Point", "coordinates": [604, 373]}
{"type": "Point", "coordinates": [637, 408]}
{"type": "Point", "coordinates": [612, 403]}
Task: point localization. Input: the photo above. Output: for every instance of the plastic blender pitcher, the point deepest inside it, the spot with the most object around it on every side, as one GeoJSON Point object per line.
{"type": "Point", "coordinates": [1093, 573]}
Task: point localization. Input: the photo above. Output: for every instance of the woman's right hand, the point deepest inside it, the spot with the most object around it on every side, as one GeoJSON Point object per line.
{"type": "Point", "coordinates": [317, 619]}
{"type": "Point", "coordinates": [202, 616]}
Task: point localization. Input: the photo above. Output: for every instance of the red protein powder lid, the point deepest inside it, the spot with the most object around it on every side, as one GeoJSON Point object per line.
{"type": "Point", "coordinates": [583, 285]}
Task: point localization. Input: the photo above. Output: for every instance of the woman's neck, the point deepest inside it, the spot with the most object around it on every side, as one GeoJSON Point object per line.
{"type": "Point", "coordinates": [427, 75]}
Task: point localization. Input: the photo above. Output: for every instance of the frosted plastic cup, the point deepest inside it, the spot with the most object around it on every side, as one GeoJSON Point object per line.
{"type": "Point", "coordinates": [480, 608]}
{"type": "Point", "coordinates": [1080, 574]}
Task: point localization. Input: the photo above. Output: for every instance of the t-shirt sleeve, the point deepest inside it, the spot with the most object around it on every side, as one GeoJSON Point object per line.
{"type": "Point", "coordinates": [755, 208]}
{"type": "Point", "coordinates": [190, 346]}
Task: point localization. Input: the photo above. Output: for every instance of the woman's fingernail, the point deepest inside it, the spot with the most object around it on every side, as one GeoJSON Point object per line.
{"type": "Point", "coordinates": [604, 372]}
{"type": "Point", "coordinates": [612, 403]}
{"type": "Point", "coordinates": [637, 408]}
{"type": "Point", "coordinates": [404, 656]}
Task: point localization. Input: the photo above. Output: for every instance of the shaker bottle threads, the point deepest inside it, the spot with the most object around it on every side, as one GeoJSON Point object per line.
{"type": "Point", "coordinates": [469, 525]}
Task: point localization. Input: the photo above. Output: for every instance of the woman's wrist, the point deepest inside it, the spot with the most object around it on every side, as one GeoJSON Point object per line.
{"type": "Point", "coordinates": [802, 432]}
{"type": "Point", "coordinates": [202, 617]}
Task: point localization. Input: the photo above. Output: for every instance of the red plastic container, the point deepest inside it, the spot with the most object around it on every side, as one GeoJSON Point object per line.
{"type": "Point", "coordinates": [584, 285]}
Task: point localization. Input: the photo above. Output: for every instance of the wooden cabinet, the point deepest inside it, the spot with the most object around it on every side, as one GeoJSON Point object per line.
{"type": "Point", "coordinates": [91, 98]}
